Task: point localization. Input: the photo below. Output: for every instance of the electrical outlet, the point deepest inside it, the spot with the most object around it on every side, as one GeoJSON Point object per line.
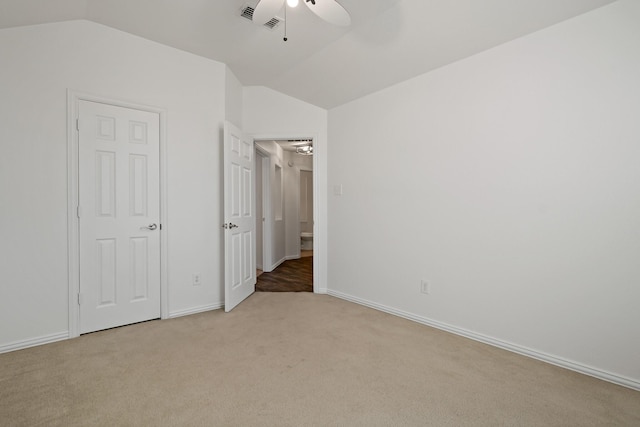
{"type": "Point", "coordinates": [425, 287]}
{"type": "Point", "coordinates": [196, 279]}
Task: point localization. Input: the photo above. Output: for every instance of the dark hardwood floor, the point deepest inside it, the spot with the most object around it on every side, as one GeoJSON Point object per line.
{"type": "Point", "coordinates": [295, 275]}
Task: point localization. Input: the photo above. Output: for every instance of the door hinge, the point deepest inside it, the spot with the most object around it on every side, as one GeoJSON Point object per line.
{"type": "Point", "coordinates": [78, 211]}
{"type": "Point", "coordinates": [160, 226]}
{"type": "Point", "coordinates": [79, 299]}
{"type": "Point", "coordinates": [77, 124]}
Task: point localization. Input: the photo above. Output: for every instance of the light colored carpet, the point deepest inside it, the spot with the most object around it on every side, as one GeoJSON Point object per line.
{"type": "Point", "coordinates": [296, 359]}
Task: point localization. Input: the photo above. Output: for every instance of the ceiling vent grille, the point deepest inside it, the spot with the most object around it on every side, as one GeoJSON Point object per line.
{"type": "Point", "coordinates": [247, 12]}
{"type": "Point", "coordinates": [273, 23]}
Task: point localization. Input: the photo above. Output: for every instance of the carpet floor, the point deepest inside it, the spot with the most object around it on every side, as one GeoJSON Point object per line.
{"type": "Point", "coordinates": [296, 359]}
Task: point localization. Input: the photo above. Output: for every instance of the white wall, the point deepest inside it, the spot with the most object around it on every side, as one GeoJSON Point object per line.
{"type": "Point", "coordinates": [270, 114]}
{"type": "Point", "coordinates": [294, 163]}
{"type": "Point", "coordinates": [302, 162]}
{"type": "Point", "coordinates": [39, 64]}
{"type": "Point", "coordinates": [511, 181]}
{"type": "Point", "coordinates": [306, 201]}
{"type": "Point", "coordinates": [260, 214]}
{"type": "Point", "coordinates": [277, 215]}
{"type": "Point", "coordinates": [292, 206]}
{"type": "Point", "coordinates": [233, 98]}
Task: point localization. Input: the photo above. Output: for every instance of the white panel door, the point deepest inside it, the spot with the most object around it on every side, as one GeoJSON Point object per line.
{"type": "Point", "coordinates": [119, 214]}
{"type": "Point", "coordinates": [239, 216]}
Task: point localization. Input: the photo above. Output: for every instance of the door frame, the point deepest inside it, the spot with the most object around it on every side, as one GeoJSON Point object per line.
{"type": "Point", "coordinates": [317, 254]}
{"type": "Point", "coordinates": [73, 232]}
{"type": "Point", "coordinates": [264, 157]}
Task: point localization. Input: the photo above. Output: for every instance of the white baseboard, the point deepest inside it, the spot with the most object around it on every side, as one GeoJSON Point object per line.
{"type": "Point", "coordinates": [46, 339]}
{"type": "Point", "coordinates": [194, 310]}
{"type": "Point", "coordinates": [290, 257]}
{"type": "Point", "coordinates": [32, 342]}
{"type": "Point", "coordinates": [275, 265]}
{"type": "Point", "coordinates": [515, 348]}
{"type": "Point", "coordinates": [323, 291]}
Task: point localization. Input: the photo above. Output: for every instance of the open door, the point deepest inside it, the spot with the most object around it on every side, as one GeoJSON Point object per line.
{"type": "Point", "coordinates": [239, 217]}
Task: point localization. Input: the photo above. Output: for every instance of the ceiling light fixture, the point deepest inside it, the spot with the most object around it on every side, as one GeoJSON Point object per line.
{"type": "Point", "coordinates": [305, 150]}
{"type": "Point", "coordinates": [328, 10]}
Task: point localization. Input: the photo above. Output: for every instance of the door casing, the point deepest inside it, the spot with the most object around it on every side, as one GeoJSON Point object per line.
{"type": "Point", "coordinates": [73, 234]}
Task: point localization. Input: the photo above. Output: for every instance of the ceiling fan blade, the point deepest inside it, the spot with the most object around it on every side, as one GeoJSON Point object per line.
{"type": "Point", "coordinates": [331, 11]}
{"type": "Point", "coordinates": [265, 10]}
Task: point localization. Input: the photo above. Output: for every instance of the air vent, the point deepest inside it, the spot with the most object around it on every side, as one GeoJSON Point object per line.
{"type": "Point", "coordinates": [247, 12]}
{"type": "Point", "coordinates": [273, 23]}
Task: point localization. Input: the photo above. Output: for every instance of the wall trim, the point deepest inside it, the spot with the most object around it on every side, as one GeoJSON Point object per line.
{"type": "Point", "coordinates": [276, 264]}
{"type": "Point", "coordinates": [61, 336]}
{"type": "Point", "coordinates": [195, 310]}
{"type": "Point", "coordinates": [515, 348]}
{"type": "Point", "coordinates": [32, 342]}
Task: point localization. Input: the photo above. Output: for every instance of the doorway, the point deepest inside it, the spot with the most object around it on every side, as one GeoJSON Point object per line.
{"type": "Point", "coordinates": [287, 173]}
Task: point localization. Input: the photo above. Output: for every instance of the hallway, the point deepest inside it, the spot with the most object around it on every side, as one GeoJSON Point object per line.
{"type": "Point", "coordinates": [295, 275]}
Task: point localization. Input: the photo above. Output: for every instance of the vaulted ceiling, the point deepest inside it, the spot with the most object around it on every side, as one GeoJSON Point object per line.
{"type": "Point", "coordinates": [389, 40]}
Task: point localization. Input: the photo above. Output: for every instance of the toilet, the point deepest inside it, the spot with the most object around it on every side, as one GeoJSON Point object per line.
{"type": "Point", "coordinates": [306, 241]}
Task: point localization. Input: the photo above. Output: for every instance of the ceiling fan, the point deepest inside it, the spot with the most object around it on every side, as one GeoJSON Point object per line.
{"type": "Point", "coordinates": [329, 10]}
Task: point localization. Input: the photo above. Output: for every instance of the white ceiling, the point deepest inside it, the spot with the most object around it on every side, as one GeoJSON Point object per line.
{"type": "Point", "coordinates": [291, 145]}
{"type": "Point", "coordinates": [389, 40]}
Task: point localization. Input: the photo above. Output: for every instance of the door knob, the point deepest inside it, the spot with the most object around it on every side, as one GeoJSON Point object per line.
{"type": "Point", "coordinates": [149, 227]}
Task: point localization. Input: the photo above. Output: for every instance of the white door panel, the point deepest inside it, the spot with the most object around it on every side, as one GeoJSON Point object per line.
{"type": "Point", "coordinates": [119, 203]}
{"type": "Point", "coordinates": [239, 213]}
